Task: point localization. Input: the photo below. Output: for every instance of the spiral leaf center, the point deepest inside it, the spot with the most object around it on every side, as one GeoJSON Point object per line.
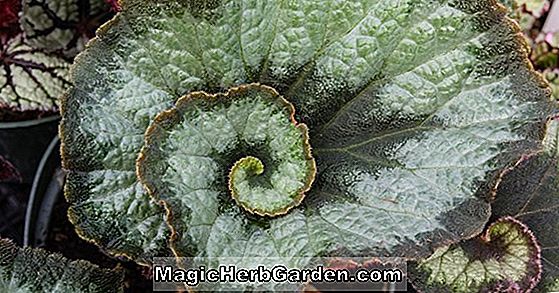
{"type": "Point", "coordinates": [190, 148]}
{"type": "Point", "coordinates": [244, 168]}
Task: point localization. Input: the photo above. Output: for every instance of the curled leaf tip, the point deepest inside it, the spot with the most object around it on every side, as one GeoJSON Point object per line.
{"type": "Point", "coordinates": [507, 258]}
{"type": "Point", "coordinates": [248, 132]}
{"type": "Point", "coordinates": [25, 270]}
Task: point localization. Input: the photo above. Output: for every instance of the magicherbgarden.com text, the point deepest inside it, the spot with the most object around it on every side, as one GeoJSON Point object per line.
{"type": "Point", "coordinates": [277, 274]}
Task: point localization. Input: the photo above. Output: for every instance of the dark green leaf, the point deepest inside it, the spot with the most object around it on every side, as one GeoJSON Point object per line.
{"type": "Point", "coordinates": [530, 193]}
{"type": "Point", "coordinates": [413, 108]}
{"type": "Point", "coordinates": [202, 137]}
{"type": "Point", "coordinates": [505, 259]}
{"type": "Point", "coordinates": [27, 270]}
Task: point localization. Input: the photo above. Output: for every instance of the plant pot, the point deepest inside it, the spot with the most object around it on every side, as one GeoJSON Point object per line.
{"type": "Point", "coordinates": [47, 224]}
{"type": "Point", "coordinates": [24, 142]}
{"type": "Point", "coordinates": [46, 190]}
{"type": "Point", "coordinates": [13, 200]}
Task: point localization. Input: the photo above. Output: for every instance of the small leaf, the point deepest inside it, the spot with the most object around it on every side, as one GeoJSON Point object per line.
{"type": "Point", "coordinates": [62, 25]}
{"type": "Point", "coordinates": [544, 56]}
{"type": "Point", "coordinates": [531, 15]}
{"type": "Point", "coordinates": [552, 286]}
{"type": "Point", "coordinates": [35, 58]}
{"type": "Point", "coordinates": [530, 193]}
{"type": "Point", "coordinates": [535, 7]}
{"type": "Point", "coordinates": [26, 270]}
{"type": "Point", "coordinates": [505, 259]}
{"type": "Point", "coordinates": [552, 76]}
{"type": "Point", "coordinates": [29, 78]}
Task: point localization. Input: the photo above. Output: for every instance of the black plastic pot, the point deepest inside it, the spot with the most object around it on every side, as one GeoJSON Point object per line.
{"type": "Point", "coordinates": [23, 143]}
{"type": "Point", "coordinates": [46, 190]}
{"type": "Point", "coordinates": [13, 201]}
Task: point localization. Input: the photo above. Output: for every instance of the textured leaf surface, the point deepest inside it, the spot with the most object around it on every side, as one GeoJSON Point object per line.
{"type": "Point", "coordinates": [413, 107]}
{"type": "Point", "coordinates": [29, 78]}
{"type": "Point", "coordinates": [189, 148]}
{"type": "Point", "coordinates": [505, 259]}
{"type": "Point", "coordinates": [26, 270]}
{"type": "Point", "coordinates": [553, 286]}
{"type": "Point", "coordinates": [552, 76]}
{"type": "Point", "coordinates": [63, 24]}
{"type": "Point", "coordinates": [530, 193]}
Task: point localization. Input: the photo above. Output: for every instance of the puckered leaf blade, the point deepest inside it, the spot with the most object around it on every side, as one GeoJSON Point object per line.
{"type": "Point", "coordinates": [189, 148]}
{"type": "Point", "coordinates": [108, 205]}
{"type": "Point", "coordinates": [505, 259]}
{"type": "Point", "coordinates": [30, 79]}
{"type": "Point", "coordinates": [413, 108]}
{"type": "Point", "coordinates": [135, 224]}
{"type": "Point", "coordinates": [62, 25]}
{"type": "Point", "coordinates": [529, 193]}
{"type": "Point", "coordinates": [26, 270]}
